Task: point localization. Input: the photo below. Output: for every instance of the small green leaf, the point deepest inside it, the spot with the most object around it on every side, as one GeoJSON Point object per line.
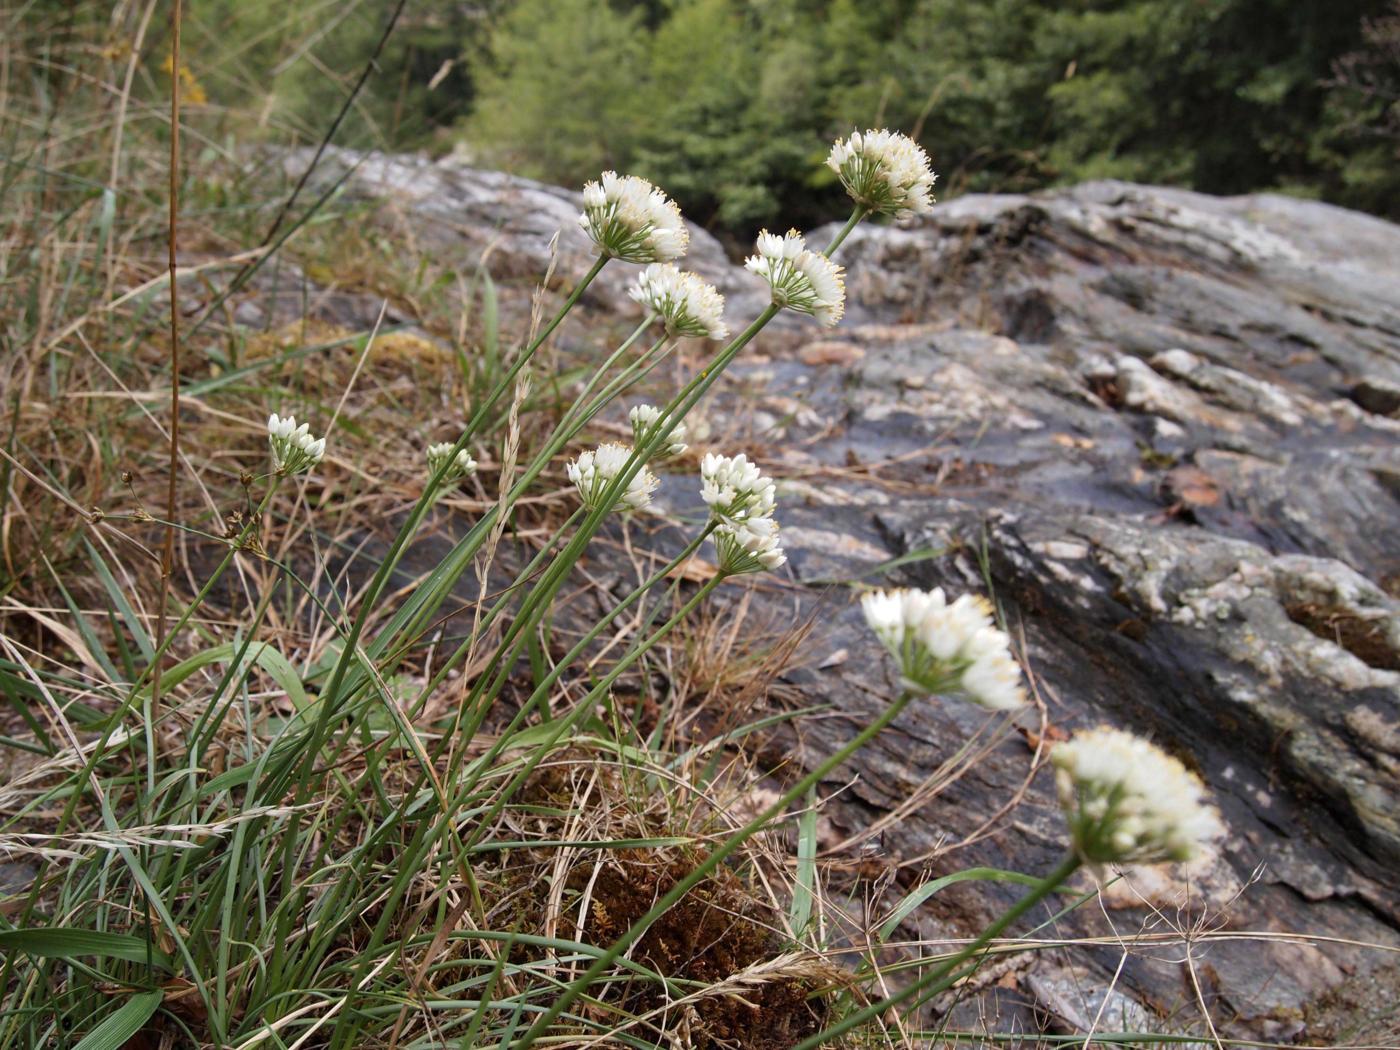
{"type": "Point", "coordinates": [804, 893]}
{"type": "Point", "coordinates": [132, 1016]}
{"type": "Point", "coordinates": [62, 942]}
{"type": "Point", "coordinates": [917, 896]}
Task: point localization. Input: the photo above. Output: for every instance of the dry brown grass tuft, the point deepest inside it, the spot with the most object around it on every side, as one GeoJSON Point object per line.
{"type": "Point", "coordinates": [734, 978]}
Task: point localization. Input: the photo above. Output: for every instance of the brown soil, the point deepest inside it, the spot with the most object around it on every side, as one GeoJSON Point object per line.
{"type": "Point", "coordinates": [1361, 637]}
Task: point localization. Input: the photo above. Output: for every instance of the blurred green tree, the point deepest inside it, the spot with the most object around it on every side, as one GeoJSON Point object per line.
{"type": "Point", "coordinates": [564, 92]}
{"type": "Point", "coordinates": [730, 104]}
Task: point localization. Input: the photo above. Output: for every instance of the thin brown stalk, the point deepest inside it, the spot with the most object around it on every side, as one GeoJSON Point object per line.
{"type": "Point", "coordinates": [167, 558]}
{"type": "Point", "coordinates": [119, 126]}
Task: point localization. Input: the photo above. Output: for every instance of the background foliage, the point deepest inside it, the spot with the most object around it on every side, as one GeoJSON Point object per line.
{"type": "Point", "coordinates": [1225, 96]}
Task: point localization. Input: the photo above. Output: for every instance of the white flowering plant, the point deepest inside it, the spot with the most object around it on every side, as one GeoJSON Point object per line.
{"type": "Point", "coordinates": [630, 219]}
{"type": "Point", "coordinates": [294, 450]}
{"type": "Point", "coordinates": [799, 279]}
{"type": "Point", "coordinates": [686, 303]}
{"type": "Point", "coordinates": [947, 647]}
{"type": "Point", "coordinates": [643, 418]}
{"type": "Point", "coordinates": [595, 470]}
{"type": "Point", "coordinates": [1129, 802]}
{"type": "Point", "coordinates": [749, 546]}
{"type": "Point", "coordinates": [339, 773]}
{"type": "Point", "coordinates": [884, 171]}
{"type": "Point", "coordinates": [452, 465]}
{"type": "Point", "coordinates": [735, 489]}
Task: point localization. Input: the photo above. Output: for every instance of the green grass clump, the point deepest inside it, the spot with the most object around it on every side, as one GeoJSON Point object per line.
{"type": "Point", "coordinates": [348, 768]}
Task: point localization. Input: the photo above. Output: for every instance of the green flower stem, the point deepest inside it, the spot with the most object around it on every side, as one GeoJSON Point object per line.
{"type": "Point", "coordinates": [649, 360]}
{"type": "Point", "coordinates": [857, 214]}
{"type": "Point", "coordinates": [943, 976]}
{"type": "Point", "coordinates": [681, 405]}
{"type": "Point", "coordinates": [675, 412]}
{"type": "Point", "coordinates": [603, 369]}
{"type": "Point", "coordinates": [562, 435]}
{"type": "Point", "coordinates": [465, 646]}
{"type": "Point", "coordinates": [381, 577]}
{"type": "Point", "coordinates": [542, 690]}
{"type": "Point", "coordinates": [579, 986]}
{"type": "Point", "coordinates": [429, 833]}
{"type": "Point", "coordinates": [408, 622]}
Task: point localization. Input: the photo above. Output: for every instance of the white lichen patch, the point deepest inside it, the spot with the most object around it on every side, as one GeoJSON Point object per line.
{"type": "Point", "coordinates": [1143, 390]}
{"type": "Point", "coordinates": [837, 544]}
{"type": "Point", "coordinates": [1064, 550]}
{"type": "Point", "coordinates": [1240, 392]}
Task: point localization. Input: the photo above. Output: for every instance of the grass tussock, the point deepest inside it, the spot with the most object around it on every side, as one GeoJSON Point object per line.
{"type": "Point", "coordinates": [393, 756]}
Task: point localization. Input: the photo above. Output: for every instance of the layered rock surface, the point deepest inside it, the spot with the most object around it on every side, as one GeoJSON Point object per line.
{"type": "Point", "coordinates": [1164, 430]}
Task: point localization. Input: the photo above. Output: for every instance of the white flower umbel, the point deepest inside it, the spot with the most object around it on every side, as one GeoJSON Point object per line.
{"type": "Point", "coordinates": [750, 546]}
{"type": "Point", "coordinates": [947, 648]}
{"type": "Point", "coordinates": [735, 489]}
{"type": "Point", "coordinates": [630, 219]}
{"type": "Point", "coordinates": [462, 462]}
{"type": "Point", "coordinates": [801, 279]}
{"type": "Point", "coordinates": [594, 470]}
{"type": "Point", "coordinates": [643, 418]}
{"type": "Point", "coordinates": [1129, 802]}
{"type": "Point", "coordinates": [884, 171]}
{"type": "Point", "coordinates": [687, 304]}
{"type": "Point", "coordinates": [293, 448]}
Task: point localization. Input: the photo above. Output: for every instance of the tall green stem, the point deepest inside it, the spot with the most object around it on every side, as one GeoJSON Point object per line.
{"type": "Point", "coordinates": [428, 835]}
{"type": "Point", "coordinates": [942, 976]}
{"type": "Point", "coordinates": [857, 213]}
{"type": "Point", "coordinates": [567, 724]}
{"type": "Point", "coordinates": [604, 368]}
{"type": "Point", "coordinates": [550, 680]}
{"type": "Point", "coordinates": [675, 412]}
{"type": "Point", "coordinates": [703, 870]}
{"type": "Point", "coordinates": [425, 501]}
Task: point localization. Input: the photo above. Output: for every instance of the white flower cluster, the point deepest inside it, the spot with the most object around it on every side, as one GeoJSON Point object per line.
{"type": "Point", "coordinates": [741, 502]}
{"type": "Point", "coordinates": [801, 279]}
{"type": "Point", "coordinates": [947, 648]}
{"type": "Point", "coordinates": [595, 470]}
{"type": "Point", "coordinates": [884, 171]}
{"type": "Point", "coordinates": [630, 219]}
{"type": "Point", "coordinates": [643, 418]}
{"type": "Point", "coordinates": [1129, 802]}
{"type": "Point", "coordinates": [462, 462]}
{"type": "Point", "coordinates": [687, 304]}
{"type": "Point", "coordinates": [735, 489]}
{"type": "Point", "coordinates": [750, 546]}
{"type": "Point", "coordinates": [293, 447]}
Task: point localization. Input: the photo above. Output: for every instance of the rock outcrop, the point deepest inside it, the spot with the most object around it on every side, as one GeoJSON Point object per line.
{"type": "Point", "coordinates": [1164, 429]}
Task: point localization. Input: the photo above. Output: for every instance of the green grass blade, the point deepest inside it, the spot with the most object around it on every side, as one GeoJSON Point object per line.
{"type": "Point", "coordinates": [119, 600]}
{"type": "Point", "coordinates": [917, 896]}
{"type": "Point", "coordinates": [63, 942]}
{"type": "Point", "coordinates": [804, 893]}
{"type": "Point", "coordinates": [113, 1033]}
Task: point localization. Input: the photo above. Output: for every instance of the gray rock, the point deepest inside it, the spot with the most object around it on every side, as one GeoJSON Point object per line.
{"type": "Point", "coordinates": [1158, 425]}
{"type": "Point", "coordinates": [504, 222]}
{"type": "Point", "coordinates": [1164, 415]}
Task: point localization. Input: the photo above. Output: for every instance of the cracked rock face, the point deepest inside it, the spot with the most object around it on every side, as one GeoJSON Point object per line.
{"type": "Point", "coordinates": [1164, 417]}
{"type": "Point", "coordinates": [1163, 427]}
